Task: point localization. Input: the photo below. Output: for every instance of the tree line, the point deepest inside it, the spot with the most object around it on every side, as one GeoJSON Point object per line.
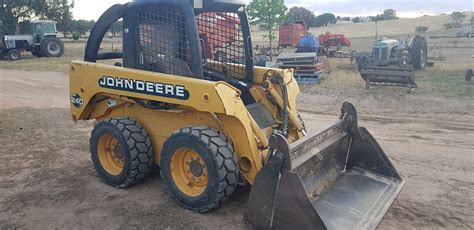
{"type": "Point", "coordinates": [300, 13]}
{"type": "Point", "coordinates": [15, 16]}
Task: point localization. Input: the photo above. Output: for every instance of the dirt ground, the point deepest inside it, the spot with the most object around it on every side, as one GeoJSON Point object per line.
{"type": "Point", "coordinates": [47, 179]}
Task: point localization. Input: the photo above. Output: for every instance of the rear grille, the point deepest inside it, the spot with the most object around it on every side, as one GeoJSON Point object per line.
{"type": "Point", "coordinates": [376, 53]}
{"type": "Point", "coordinates": [384, 55]}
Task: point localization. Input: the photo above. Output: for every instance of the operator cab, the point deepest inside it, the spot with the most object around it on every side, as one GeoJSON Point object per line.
{"type": "Point", "coordinates": [204, 39]}
{"type": "Point", "coordinates": [40, 28]}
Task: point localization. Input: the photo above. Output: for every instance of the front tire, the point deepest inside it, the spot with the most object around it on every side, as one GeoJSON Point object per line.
{"type": "Point", "coordinates": [199, 168]}
{"type": "Point", "coordinates": [13, 55]}
{"type": "Point", "coordinates": [121, 151]}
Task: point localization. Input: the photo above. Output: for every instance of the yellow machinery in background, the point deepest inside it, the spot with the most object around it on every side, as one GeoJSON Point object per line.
{"type": "Point", "coordinates": [186, 96]}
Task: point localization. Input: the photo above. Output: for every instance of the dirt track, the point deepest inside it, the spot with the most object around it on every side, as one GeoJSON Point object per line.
{"type": "Point", "coordinates": [47, 179]}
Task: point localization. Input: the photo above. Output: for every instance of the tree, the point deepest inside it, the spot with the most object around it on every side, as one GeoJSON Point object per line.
{"type": "Point", "coordinates": [324, 20]}
{"type": "Point", "coordinates": [14, 11]}
{"type": "Point", "coordinates": [60, 12]}
{"type": "Point", "coordinates": [301, 13]}
{"type": "Point", "coordinates": [421, 29]}
{"type": "Point", "coordinates": [116, 28]}
{"type": "Point", "coordinates": [267, 14]}
{"type": "Point", "coordinates": [356, 20]}
{"type": "Point", "coordinates": [458, 17]}
{"type": "Point", "coordinates": [389, 14]}
{"type": "Point", "coordinates": [82, 26]}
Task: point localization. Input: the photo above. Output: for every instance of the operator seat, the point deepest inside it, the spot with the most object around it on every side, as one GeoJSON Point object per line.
{"type": "Point", "coordinates": [162, 48]}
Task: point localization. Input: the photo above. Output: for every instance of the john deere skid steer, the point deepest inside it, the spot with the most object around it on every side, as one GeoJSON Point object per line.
{"type": "Point", "coordinates": [213, 123]}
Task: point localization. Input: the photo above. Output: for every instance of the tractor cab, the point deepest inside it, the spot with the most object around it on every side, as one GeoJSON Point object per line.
{"type": "Point", "coordinates": [41, 28]}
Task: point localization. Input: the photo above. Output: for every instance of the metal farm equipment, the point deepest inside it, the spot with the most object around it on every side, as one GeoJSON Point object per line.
{"type": "Point", "coordinates": [42, 42]}
{"type": "Point", "coordinates": [393, 62]}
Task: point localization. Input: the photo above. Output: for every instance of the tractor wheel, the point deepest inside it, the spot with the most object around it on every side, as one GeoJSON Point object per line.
{"type": "Point", "coordinates": [52, 47]}
{"type": "Point", "coordinates": [199, 168]}
{"type": "Point", "coordinates": [121, 151]}
{"type": "Point", "coordinates": [220, 56]}
{"type": "Point", "coordinates": [13, 55]}
{"type": "Point", "coordinates": [419, 53]}
{"type": "Point", "coordinates": [468, 74]}
{"type": "Point", "coordinates": [361, 60]}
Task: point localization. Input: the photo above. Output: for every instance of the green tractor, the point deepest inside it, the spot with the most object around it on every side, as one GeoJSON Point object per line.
{"type": "Point", "coordinates": [393, 62]}
{"type": "Point", "coordinates": [42, 42]}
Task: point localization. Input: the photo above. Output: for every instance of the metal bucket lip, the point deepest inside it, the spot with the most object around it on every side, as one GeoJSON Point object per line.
{"type": "Point", "coordinates": [378, 208]}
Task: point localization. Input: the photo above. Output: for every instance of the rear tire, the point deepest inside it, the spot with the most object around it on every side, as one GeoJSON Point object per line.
{"type": "Point", "coordinates": [469, 75]}
{"type": "Point", "coordinates": [199, 168]}
{"type": "Point", "coordinates": [419, 53]}
{"type": "Point", "coordinates": [51, 47]}
{"type": "Point", "coordinates": [121, 151]}
{"type": "Point", "coordinates": [13, 55]}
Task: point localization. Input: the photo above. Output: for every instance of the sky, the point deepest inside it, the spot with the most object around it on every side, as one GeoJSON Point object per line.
{"type": "Point", "coordinates": [92, 9]}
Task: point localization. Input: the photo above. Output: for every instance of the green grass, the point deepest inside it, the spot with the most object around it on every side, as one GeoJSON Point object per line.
{"type": "Point", "coordinates": [447, 79]}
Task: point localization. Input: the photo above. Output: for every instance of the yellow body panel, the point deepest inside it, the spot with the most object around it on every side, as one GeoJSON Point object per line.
{"type": "Point", "coordinates": [214, 104]}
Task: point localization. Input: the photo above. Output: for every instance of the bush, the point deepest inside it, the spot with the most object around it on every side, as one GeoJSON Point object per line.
{"type": "Point", "coordinates": [421, 29]}
{"type": "Point", "coordinates": [451, 25]}
{"type": "Point", "coordinates": [76, 36]}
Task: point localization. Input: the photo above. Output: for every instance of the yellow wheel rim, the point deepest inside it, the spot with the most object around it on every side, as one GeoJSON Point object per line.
{"type": "Point", "coordinates": [189, 171]}
{"type": "Point", "coordinates": [111, 154]}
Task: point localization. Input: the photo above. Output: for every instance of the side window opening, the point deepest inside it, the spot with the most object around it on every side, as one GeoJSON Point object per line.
{"type": "Point", "coordinates": [163, 42]}
{"type": "Point", "coordinates": [223, 41]}
{"type": "Point", "coordinates": [112, 43]}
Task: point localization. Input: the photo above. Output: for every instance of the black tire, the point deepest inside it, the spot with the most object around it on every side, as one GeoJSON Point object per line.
{"type": "Point", "coordinates": [220, 56]}
{"type": "Point", "coordinates": [419, 52]}
{"type": "Point", "coordinates": [220, 161]}
{"type": "Point", "coordinates": [469, 75]}
{"type": "Point", "coordinates": [135, 146]}
{"type": "Point", "coordinates": [51, 47]}
{"type": "Point", "coordinates": [361, 60]}
{"type": "Point", "coordinates": [13, 54]}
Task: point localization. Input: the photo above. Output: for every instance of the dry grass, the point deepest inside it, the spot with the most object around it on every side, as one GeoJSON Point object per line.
{"type": "Point", "coordinates": [446, 79]}
{"type": "Point", "coordinates": [402, 26]}
{"type": "Point", "coordinates": [73, 51]}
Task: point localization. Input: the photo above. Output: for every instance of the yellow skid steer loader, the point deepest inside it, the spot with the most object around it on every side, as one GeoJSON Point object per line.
{"type": "Point", "coordinates": [185, 95]}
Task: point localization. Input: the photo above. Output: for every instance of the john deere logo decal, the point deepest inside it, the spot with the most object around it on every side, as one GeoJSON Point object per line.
{"type": "Point", "coordinates": [145, 87]}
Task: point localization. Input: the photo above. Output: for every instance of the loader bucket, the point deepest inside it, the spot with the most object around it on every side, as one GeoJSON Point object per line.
{"type": "Point", "coordinates": [338, 178]}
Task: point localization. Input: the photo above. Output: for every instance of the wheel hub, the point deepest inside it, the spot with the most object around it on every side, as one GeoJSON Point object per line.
{"type": "Point", "coordinates": [189, 172]}
{"type": "Point", "coordinates": [111, 154]}
{"type": "Point", "coordinates": [53, 48]}
{"type": "Point", "coordinates": [196, 168]}
{"type": "Point", "coordinates": [118, 151]}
